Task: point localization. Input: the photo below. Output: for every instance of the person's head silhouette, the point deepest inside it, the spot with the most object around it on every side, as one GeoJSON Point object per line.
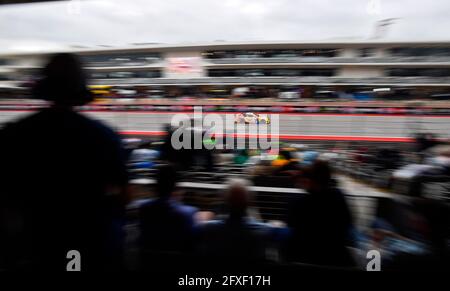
{"type": "Point", "coordinates": [237, 198]}
{"type": "Point", "coordinates": [63, 82]}
{"type": "Point", "coordinates": [317, 177]}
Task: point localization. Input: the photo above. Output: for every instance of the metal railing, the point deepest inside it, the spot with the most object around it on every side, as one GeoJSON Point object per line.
{"type": "Point", "coordinates": [441, 81]}
{"type": "Point", "coordinates": [271, 202]}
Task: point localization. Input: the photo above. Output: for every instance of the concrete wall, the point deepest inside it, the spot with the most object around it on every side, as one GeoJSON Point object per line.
{"type": "Point", "coordinates": [348, 53]}
{"type": "Point", "coordinates": [28, 61]}
{"type": "Point", "coordinates": [360, 72]}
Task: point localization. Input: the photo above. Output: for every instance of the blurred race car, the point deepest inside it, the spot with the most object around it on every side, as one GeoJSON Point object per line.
{"type": "Point", "coordinates": [251, 118]}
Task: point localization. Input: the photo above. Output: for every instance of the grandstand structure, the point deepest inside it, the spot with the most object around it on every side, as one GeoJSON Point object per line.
{"type": "Point", "coordinates": [359, 70]}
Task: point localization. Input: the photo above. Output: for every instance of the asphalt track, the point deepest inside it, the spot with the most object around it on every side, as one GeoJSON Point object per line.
{"type": "Point", "coordinates": [364, 127]}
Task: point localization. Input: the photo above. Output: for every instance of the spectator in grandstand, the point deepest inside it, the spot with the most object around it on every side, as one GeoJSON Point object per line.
{"type": "Point", "coordinates": [261, 168]}
{"type": "Point", "coordinates": [143, 153]}
{"type": "Point", "coordinates": [387, 159]}
{"type": "Point", "coordinates": [63, 179]}
{"type": "Point", "coordinates": [289, 165]}
{"type": "Point", "coordinates": [281, 160]}
{"type": "Point", "coordinates": [142, 158]}
{"type": "Point", "coordinates": [423, 142]}
{"type": "Point", "coordinates": [320, 222]}
{"type": "Point", "coordinates": [412, 235]}
{"type": "Point", "coordinates": [237, 238]}
{"type": "Point", "coordinates": [166, 225]}
{"type": "Point", "coordinates": [182, 158]}
{"type": "Point", "coordinates": [241, 157]}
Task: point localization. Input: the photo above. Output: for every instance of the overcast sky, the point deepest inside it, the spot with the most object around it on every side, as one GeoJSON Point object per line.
{"type": "Point", "coordinates": [28, 27]}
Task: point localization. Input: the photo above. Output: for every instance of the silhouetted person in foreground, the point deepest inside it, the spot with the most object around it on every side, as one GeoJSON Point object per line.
{"type": "Point", "coordinates": [63, 179]}
{"type": "Point", "coordinates": [166, 226]}
{"type": "Point", "coordinates": [320, 221]}
{"type": "Point", "coordinates": [237, 239]}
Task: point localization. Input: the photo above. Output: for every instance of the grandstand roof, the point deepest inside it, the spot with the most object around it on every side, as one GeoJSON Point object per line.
{"type": "Point", "coordinates": [219, 45]}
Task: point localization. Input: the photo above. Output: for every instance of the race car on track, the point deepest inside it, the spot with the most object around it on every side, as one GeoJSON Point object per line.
{"type": "Point", "coordinates": [251, 118]}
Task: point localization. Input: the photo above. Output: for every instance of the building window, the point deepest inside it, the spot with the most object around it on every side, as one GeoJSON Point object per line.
{"type": "Point", "coordinates": [292, 53]}
{"type": "Point", "coordinates": [126, 74]}
{"type": "Point", "coordinates": [366, 52]}
{"type": "Point", "coordinates": [420, 51]}
{"type": "Point", "coordinates": [4, 77]}
{"type": "Point", "coordinates": [129, 59]}
{"type": "Point", "coordinates": [418, 72]}
{"type": "Point", "coordinates": [271, 72]}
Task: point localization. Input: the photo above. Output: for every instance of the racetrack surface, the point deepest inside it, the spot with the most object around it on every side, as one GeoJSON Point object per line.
{"type": "Point", "coordinates": [302, 126]}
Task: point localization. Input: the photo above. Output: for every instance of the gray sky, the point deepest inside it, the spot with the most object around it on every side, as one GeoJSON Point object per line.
{"type": "Point", "coordinates": [30, 27]}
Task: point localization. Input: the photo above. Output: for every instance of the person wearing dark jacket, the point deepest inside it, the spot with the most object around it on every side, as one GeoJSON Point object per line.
{"type": "Point", "coordinates": [320, 221]}
{"type": "Point", "coordinates": [63, 180]}
{"type": "Point", "coordinates": [166, 226]}
{"type": "Point", "coordinates": [237, 239]}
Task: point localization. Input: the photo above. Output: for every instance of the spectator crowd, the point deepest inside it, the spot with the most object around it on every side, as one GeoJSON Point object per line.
{"type": "Point", "coordinates": [64, 186]}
